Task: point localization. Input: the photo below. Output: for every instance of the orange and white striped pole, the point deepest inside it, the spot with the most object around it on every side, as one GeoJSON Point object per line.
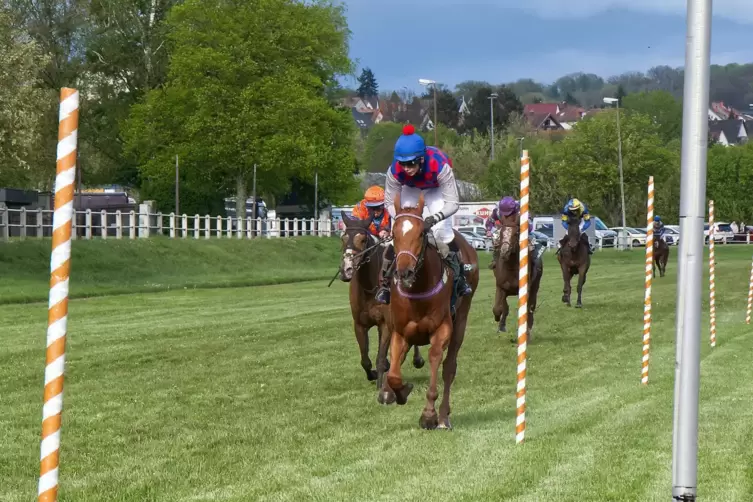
{"type": "Point", "coordinates": [712, 276]}
{"type": "Point", "coordinates": [649, 278]}
{"type": "Point", "coordinates": [57, 314]}
{"type": "Point", "coordinates": [750, 297]}
{"type": "Point", "coordinates": [520, 394]}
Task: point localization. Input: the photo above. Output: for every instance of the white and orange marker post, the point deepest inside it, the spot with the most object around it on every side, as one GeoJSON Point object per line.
{"type": "Point", "coordinates": [520, 393]}
{"type": "Point", "coordinates": [750, 297]}
{"type": "Point", "coordinates": [57, 314]}
{"type": "Point", "coordinates": [712, 276]}
{"type": "Point", "coordinates": [649, 278]}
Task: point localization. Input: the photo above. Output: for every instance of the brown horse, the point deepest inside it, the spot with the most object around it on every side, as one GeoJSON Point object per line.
{"type": "Point", "coordinates": [506, 272]}
{"type": "Point", "coordinates": [420, 310]}
{"type": "Point", "coordinates": [661, 256]}
{"type": "Point", "coordinates": [360, 265]}
{"type": "Point", "coordinates": [574, 259]}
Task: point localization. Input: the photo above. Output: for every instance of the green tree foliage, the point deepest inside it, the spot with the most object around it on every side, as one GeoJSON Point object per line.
{"type": "Point", "coordinates": [21, 60]}
{"type": "Point", "coordinates": [448, 110]}
{"type": "Point", "coordinates": [368, 86]}
{"type": "Point", "coordinates": [379, 147]}
{"type": "Point", "coordinates": [247, 86]}
{"type": "Point", "coordinates": [505, 104]}
{"type": "Point", "coordinates": [730, 182]}
{"type": "Point", "coordinates": [662, 107]}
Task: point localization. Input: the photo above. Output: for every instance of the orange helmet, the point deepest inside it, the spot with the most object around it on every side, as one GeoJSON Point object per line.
{"type": "Point", "coordinates": [374, 196]}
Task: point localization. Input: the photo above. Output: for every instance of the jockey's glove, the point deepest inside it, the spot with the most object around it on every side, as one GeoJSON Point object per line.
{"type": "Point", "coordinates": [430, 221]}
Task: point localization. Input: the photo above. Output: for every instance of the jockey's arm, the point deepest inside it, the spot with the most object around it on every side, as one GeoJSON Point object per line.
{"type": "Point", "coordinates": [586, 220]}
{"type": "Point", "coordinates": [564, 221]}
{"type": "Point", "coordinates": [449, 194]}
{"type": "Point", "coordinates": [392, 187]}
{"type": "Point", "coordinates": [489, 225]}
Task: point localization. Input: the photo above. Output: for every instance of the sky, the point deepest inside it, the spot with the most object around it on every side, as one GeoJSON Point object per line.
{"type": "Point", "coordinates": [505, 40]}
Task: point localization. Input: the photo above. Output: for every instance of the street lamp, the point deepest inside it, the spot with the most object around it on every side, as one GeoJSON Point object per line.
{"type": "Point", "coordinates": [616, 102]}
{"type": "Point", "coordinates": [426, 81]}
{"type": "Point", "coordinates": [491, 107]}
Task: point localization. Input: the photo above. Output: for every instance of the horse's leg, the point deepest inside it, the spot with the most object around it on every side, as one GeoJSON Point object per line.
{"type": "Point", "coordinates": [567, 277]}
{"type": "Point", "coordinates": [533, 295]}
{"type": "Point", "coordinates": [497, 306]}
{"type": "Point", "coordinates": [362, 336]}
{"type": "Point", "coordinates": [439, 341]}
{"type": "Point", "coordinates": [418, 361]}
{"type": "Point", "coordinates": [449, 369]}
{"type": "Point", "coordinates": [394, 389]}
{"type": "Point", "coordinates": [581, 282]}
{"type": "Point", "coordinates": [383, 365]}
{"type": "Point", "coordinates": [505, 312]}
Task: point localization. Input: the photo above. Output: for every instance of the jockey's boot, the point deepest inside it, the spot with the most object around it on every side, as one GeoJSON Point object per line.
{"type": "Point", "coordinates": [453, 259]}
{"type": "Point", "coordinates": [383, 294]}
{"type": "Point", "coordinates": [495, 255]}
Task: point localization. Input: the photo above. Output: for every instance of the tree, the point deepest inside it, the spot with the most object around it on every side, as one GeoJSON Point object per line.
{"type": "Point", "coordinates": [368, 87]}
{"type": "Point", "coordinates": [620, 94]}
{"type": "Point", "coordinates": [448, 110]}
{"type": "Point", "coordinates": [505, 104]}
{"type": "Point", "coordinates": [662, 107]}
{"type": "Point", "coordinates": [21, 103]}
{"type": "Point", "coordinates": [247, 86]}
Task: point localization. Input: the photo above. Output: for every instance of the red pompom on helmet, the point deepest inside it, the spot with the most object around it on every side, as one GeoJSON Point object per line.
{"type": "Point", "coordinates": [409, 129]}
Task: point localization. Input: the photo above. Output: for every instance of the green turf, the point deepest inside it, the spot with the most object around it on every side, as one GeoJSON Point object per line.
{"type": "Point", "coordinates": [106, 267]}
{"type": "Point", "coordinates": [257, 394]}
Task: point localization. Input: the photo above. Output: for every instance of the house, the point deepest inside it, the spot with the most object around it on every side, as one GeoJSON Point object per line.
{"type": "Point", "coordinates": [541, 116]}
{"type": "Point", "coordinates": [364, 121]}
{"type": "Point", "coordinates": [730, 131]}
{"type": "Point", "coordinates": [463, 109]}
{"type": "Point", "coordinates": [719, 111]}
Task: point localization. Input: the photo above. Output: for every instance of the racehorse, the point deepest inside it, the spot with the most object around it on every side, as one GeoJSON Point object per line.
{"type": "Point", "coordinates": [506, 272]}
{"type": "Point", "coordinates": [574, 259]}
{"type": "Point", "coordinates": [661, 256]}
{"type": "Point", "coordinates": [360, 265]}
{"type": "Point", "coordinates": [420, 307]}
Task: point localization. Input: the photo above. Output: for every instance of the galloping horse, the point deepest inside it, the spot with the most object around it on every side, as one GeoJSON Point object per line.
{"type": "Point", "coordinates": [506, 272]}
{"type": "Point", "coordinates": [360, 265]}
{"type": "Point", "coordinates": [420, 310]}
{"type": "Point", "coordinates": [661, 256]}
{"type": "Point", "coordinates": [574, 259]}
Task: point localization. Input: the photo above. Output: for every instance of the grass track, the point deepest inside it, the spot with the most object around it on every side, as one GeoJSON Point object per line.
{"type": "Point", "coordinates": [257, 394]}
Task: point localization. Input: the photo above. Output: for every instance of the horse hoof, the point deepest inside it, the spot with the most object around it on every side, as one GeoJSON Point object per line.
{"type": "Point", "coordinates": [371, 375]}
{"type": "Point", "coordinates": [419, 363]}
{"type": "Point", "coordinates": [502, 329]}
{"type": "Point", "coordinates": [445, 425]}
{"type": "Point", "coordinates": [402, 395]}
{"type": "Point", "coordinates": [386, 397]}
{"type": "Point", "coordinates": [564, 299]}
{"type": "Point", "coordinates": [428, 422]}
{"type": "Point", "coordinates": [578, 305]}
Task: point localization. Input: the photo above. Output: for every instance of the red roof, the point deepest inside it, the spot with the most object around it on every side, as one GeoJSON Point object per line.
{"type": "Point", "coordinates": [539, 108]}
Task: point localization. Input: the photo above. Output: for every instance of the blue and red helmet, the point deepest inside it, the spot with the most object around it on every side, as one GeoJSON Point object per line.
{"type": "Point", "coordinates": [409, 145]}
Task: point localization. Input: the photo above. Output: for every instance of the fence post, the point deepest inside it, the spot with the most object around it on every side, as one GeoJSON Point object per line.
{"type": "Point", "coordinates": [103, 223]}
{"type": "Point", "coordinates": [88, 224]}
{"type": "Point", "coordinates": [22, 222]}
{"type": "Point", "coordinates": [132, 224]}
{"type": "Point", "coordinates": [295, 227]}
{"type": "Point", "coordinates": [172, 225]}
{"type": "Point", "coordinates": [185, 225]}
{"type": "Point", "coordinates": [249, 230]}
{"type": "Point", "coordinates": [39, 223]}
{"type": "Point", "coordinates": [196, 226]}
{"type": "Point", "coordinates": [74, 225]}
{"type": "Point", "coordinates": [207, 226]}
{"type": "Point", "coordinates": [4, 231]}
{"type": "Point", "coordinates": [229, 227]}
{"type": "Point", "coordinates": [145, 226]}
{"type": "Point", "coordinates": [160, 230]}
{"type": "Point", "coordinates": [219, 226]}
{"type": "Point", "coordinates": [118, 224]}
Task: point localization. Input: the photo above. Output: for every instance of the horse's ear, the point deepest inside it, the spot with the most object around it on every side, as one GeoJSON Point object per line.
{"type": "Point", "coordinates": [396, 203]}
{"type": "Point", "coordinates": [346, 218]}
{"type": "Point", "coordinates": [421, 203]}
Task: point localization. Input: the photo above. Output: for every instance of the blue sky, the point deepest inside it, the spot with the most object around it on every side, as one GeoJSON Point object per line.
{"type": "Point", "coordinates": [500, 41]}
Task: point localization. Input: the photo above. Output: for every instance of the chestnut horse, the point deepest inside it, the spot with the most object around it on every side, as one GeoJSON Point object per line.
{"type": "Point", "coordinates": [422, 289]}
{"type": "Point", "coordinates": [661, 256]}
{"type": "Point", "coordinates": [360, 265]}
{"type": "Point", "coordinates": [507, 270]}
{"type": "Point", "coordinates": [574, 259]}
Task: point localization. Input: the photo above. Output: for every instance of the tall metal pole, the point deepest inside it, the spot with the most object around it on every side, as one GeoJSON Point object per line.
{"type": "Point", "coordinates": [622, 182]}
{"type": "Point", "coordinates": [491, 109]}
{"type": "Point", "coordinates": [177, 187]}
{"type": "Point", "coordinates": [316, 194]}
{"type": "Point", "coordinates": [253, 195]}
{"type": "Point", "coordinates": [436, 121]}
{"type": "Point", "coordinates": [690, 270]}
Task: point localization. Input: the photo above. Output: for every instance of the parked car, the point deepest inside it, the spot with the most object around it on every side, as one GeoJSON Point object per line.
{"type": "Point", "coordinates": [605, 236]}
{"type": "Point", "coordinates": [722, 232]}
{"type": "Point", "coordinates": [668, 236]}
{"type": "Point", "coordinates": [478, 230]}
{"type": "Point", "coordinates": [475, 240]}
{"type": "Point", "coordinates": [543, 239]}
{"type": "Point", "coordinates": [744, 234]}
{"type": "Point", "coordinates": [635, 237]}
{"type": "Point", "coordinates": [674, 234]}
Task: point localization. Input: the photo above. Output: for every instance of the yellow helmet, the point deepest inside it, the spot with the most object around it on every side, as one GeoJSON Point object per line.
{"type": "Point", "coordinates": [575, 205]}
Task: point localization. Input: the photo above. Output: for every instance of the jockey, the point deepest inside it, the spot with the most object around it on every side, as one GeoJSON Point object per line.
{"type": "Point", "coordinates": [372, 208]}
{"type": "Point", "coordinates": [576, 208]}
{"type": "Point", "coordinates": [507, 207]}
{"type": "Point", "coordinates": [418, 168]}
{"type": "Point", "coordinates": [658, 229]}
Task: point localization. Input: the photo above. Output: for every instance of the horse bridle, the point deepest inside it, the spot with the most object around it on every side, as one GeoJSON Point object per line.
{"type": "Point", "coordinates": [425, 238]}
{"type": "Point", "coordinates": [368, 251]}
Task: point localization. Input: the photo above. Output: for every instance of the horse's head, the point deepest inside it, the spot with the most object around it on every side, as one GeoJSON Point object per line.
{"type": "Point", "coordinates": [355, 240]}
{"type": "Point", "coordinates": [409, 240]}
{"type": "Point", "coordinates": [510, 236]}
{"type": "Point", "coordinates": [573, 231]}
